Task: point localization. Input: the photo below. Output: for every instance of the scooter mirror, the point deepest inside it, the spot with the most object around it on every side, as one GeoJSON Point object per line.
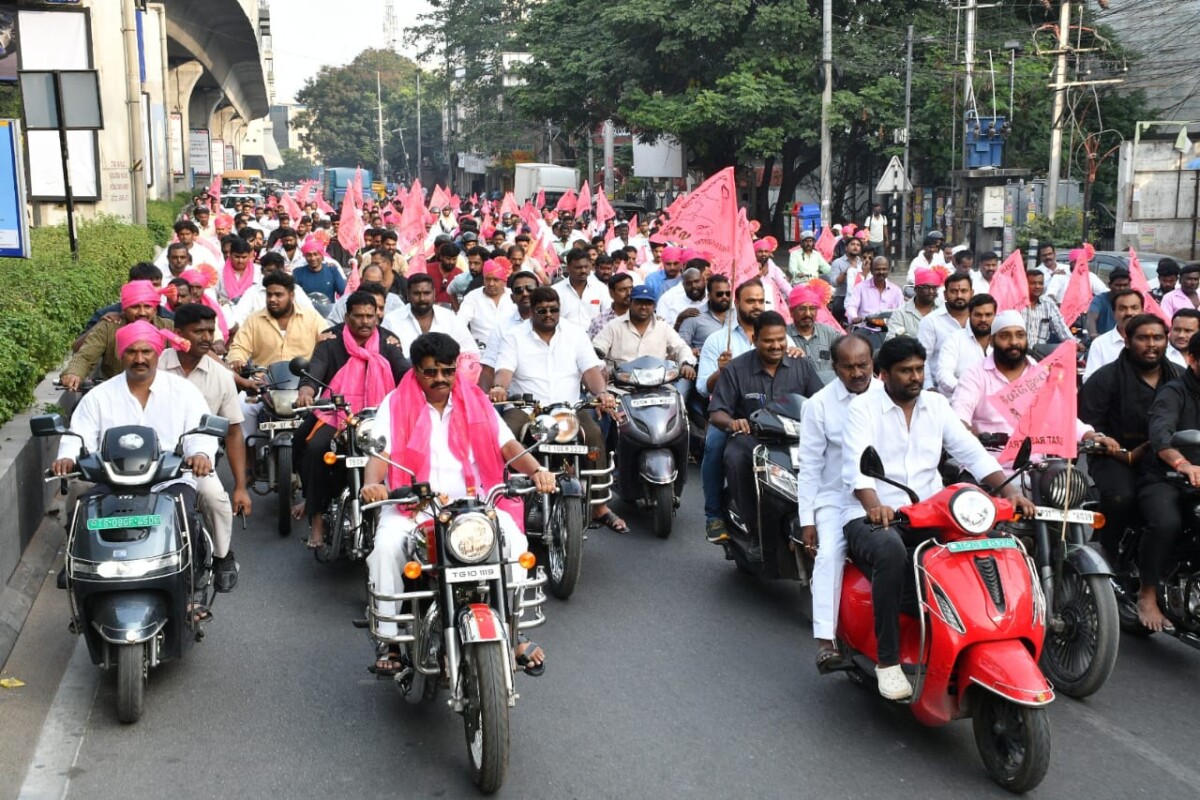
{"type": "Point", "coordinates": [1179, 439]}
{"type": "Point", "coordinates": [871, 464]}
{"type": "Point", "coordinates": [47, 425]}
{"type": "Point", "coordinates": [1026, 448]}
{"type": "Point", "coordinates": [212, 425]}
{"type": "Point", "coordinates": [298, 366]}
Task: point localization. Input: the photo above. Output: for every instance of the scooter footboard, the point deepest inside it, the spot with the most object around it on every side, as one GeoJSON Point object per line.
{"type": "Point", "coordinates": [658, 466]}
{"type": "Point", "coordinates": [1005, 668]}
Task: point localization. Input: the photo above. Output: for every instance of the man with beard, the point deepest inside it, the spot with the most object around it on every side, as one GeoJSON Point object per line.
{"type": "Point", "coordinates": [1168, 279]}
{"type": "Point", "coordinates": [688, 297]}
{"type": "Point", "coordinates": [822, 427]}
{"type": "Point", "coordinates": [805, 263]}
{"type": "Point", "coordinates": [696, 328]}
{"type": "Point", "coordinates": [602, 268]}
{"type": "Point", "coordinates": [670, 274]}
{"type": "Point", "coordinates": [1043, 320]}
{"type": "Point", "coordinates": [140, 301]}
{"type": "Point", "coordinates": [969, 346]}
{"type": "Point", "coordinates": [814, 338]}
{"type": "Point", "coordinates": [446, 272]}
{"type": "Point", "coordinates": [775, 283]}
{"type": "Point", "coordinates": [943, 323]}
{"type": "Point", "coordinates": [908, 428]}
{"type": "Point", "coordinates": [581, 296]}
{"type": "Point", "coordinates": [906, 320]}
{"type": "Point", "coordinates": [287, 243]}
{"type": "Point", "coordinates": [620, 288]}
{"type": "Point", "coordinates": [520, 288]}
{"type": "Point", "coordinates": [845, 273]}
{"type": "Point", "coordinates": [1117, 399]}
{"type": "Point", "coordinates": [197, 324]}
{"type": "Point", "coordinates": [421, 315]}
{"type": "Point", "coordinates": [1184, 325]}
{"type": "Point", "coordinates": [470, 280]}
{"type": "Point", "coordinates": [1127, 304]}
{"type": "Point", "coordinates": [981, 279]}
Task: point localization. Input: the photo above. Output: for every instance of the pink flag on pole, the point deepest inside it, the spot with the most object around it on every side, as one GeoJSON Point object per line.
{"type": "Point", "coordinates": [604, 209]}
{"type": "Point", "coordinates": [745, 265]}
{"type": "Point", "coordinates": [323, 206]}
{"type": "Point", "coordinates": [509, 204]}
{"type": "Point", "coordinates": [1078, 295]}
{"type": "Point", "coordinates": [584, 203]}
{"type": "Point", "coordinates": [1050, 415]}
{"type": "Point", "coordinates": [292, 208]}
{"type": "Point", "coordinates": [529, 216]}
{"type": "Point", "coordinates": [353, 280]}
{"type": "Point", "coordinates": [1009, 285]}
{"type": "Point", "coordinates": [1137, 280]}
{"type": "Point", "coordinates": [439, 198]}
{"type": "Point", "coordinates": [567, 202]}
{"type": "Point", "coordinates": [825, 243]}
{"type": "Point", "coordinates": [303, 192]}
{"type": "Point", "coordinates": [633, 223]}
{"type": "Point", "coordinates": [214, 188]}
{"type": "Point", "coordinates": [540, 202]}
{"type": "Point", "coordinates": [708, 221]}
{"type": "Point", "coordinates": [350, 225]}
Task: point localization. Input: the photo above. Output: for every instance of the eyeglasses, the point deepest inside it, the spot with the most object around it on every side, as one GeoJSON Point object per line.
{"type": "Point", "coordinates": [545, 311]}
{"type": "Point", "coordinates": [722, 294]}
{"type": "Point", "coordinates": [522, 290]}
{"type": "Point", "coordinates": [433, 372]}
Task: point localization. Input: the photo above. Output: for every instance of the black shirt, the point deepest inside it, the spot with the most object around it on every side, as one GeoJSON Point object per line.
{"type": "Point", "coordinates": [1176, 408]}
{"type": "Point", "coordinates": [330, 355]}
{"type": "Point", "coordinates": [744, 385]}
{"type": "Point", "coordinates": [1116, 400]}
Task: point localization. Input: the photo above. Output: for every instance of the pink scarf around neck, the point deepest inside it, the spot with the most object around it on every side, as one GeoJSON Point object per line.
{"type": "Point", "coordinates": [234, 286]}
{"type": "Point", "coordinates": [364, 380]}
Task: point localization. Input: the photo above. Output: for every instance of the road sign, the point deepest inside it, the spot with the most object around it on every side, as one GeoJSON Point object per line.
{"type": "Point", "coordinates": [894, 181]}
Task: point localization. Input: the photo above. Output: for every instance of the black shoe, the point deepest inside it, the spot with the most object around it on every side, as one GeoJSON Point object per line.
{"type": "Point", "coordinates": [225, 572]}
{"type": "Point", "coordinates": [61, 580]}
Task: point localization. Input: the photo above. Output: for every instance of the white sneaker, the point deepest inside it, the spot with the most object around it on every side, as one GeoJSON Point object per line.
{"type": "Point", "coordinates": [893, 683]}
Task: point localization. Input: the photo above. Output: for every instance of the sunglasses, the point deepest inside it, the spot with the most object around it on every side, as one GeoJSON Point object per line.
{"type": "Point", "coordinates": [722, 294]}
{"type": "Point", "coordinates": [545, 311]}
{"type": "Point", "coordinates": [433, 372]}
{"type": "Point", "coordinates": [522, 290]}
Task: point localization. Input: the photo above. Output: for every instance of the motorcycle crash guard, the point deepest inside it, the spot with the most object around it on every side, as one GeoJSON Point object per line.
{"type": "Point", "coordinates": [129, 617]}
{"type": "Point", "coordinates": [658, 466]}
{"type": "Point", "coordinates": [1005, 668]}
{"type": "Point", "coordinates": [570, 487]}
{"type": "Point", "coordinates": [1087, 561]}
{"type": "Point", "coordinates": [479, 623]}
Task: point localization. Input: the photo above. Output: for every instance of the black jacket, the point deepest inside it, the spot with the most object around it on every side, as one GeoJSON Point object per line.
{"type": "Point", "coordinates": [1176, 408]}
{"type": "Point", "coordinates": [330, 356]}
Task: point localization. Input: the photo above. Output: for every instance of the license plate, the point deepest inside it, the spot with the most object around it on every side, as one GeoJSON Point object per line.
{"type": "Point", "coordinates": [564, 449]}
{"type": "Point", "coordinates": [121, 523]}
{"type": "Point", "coordinates": [1077, 515]}
{"type": "Point", "coordinates": [642, 402]}
{"type": "Point", "coordinates": [279, 425]}
{"type": "Point", "coordinates": [971, 545]}
{"type": "Point", "coordinates": [356, 461]}
{"type": "Point", "coordinates": [483, 572]}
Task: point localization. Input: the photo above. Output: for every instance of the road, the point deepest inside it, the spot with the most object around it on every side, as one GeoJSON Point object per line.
{"type": "Point", "coordinates": [669, 674]}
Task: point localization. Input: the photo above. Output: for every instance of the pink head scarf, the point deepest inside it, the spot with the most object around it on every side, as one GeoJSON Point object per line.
{"type": "Point", "coordinates": [499, 267]}
{"type": "Point", "coordinates": [312, 246]}
{"type": "Point", "coordinates": [766, 243]}
{"type": "Point", "coordinates": [928, 277]}
{"type": "Point", "coordinates": [205, 278]}
{"type": "Point", "coordinates": [139, 292]}
{"type": "Point", "coordinates": [364, 380]}
{"type": "Point", "coordinates": [802, 295]}
{"type": "Point", "coordinates": [157, 338]}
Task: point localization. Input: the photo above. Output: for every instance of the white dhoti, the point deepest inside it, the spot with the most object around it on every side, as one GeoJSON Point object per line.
{"type": "Point", "coordinates": [827, 571]}
{"type": "Point", "coordinates": [393, 537]}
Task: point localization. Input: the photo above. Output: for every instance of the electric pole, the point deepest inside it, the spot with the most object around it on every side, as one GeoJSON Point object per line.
{"type": "Point", "coordinates": [908, 42]}
{"type": "Point", "coordinates": [1060, 101]}
{"type": "Point", "coordinates": [419, 161]}
{"type": "Point", "coordinates": [826, 102]}
{"type": "Point", "coordinates": [969, 104]}
{"type": "Point", "coordinates": [382, 173]}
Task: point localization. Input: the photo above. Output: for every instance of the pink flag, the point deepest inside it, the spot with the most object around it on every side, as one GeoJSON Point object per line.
{"type": "Point", "coordinates": [474, 198]}
{"type": "Point", "coordinates": [509, 204]}
{"type": "Point", "coordinates": [350, 225]}
{"type": "Point", "coordinates": [302, 192]}
{"type": "Point", "coordinates": [745, 265]}
{"type": "Point", "coordinates": [584, 203]}
{"type": "Point", "coordinates": [707, 220]}
{"type": "Point", "coordinates": [1078, 295]}
{"type": "Point", "coordinates": [540, 202]}
{"type": "Point", "coordinates": [609, 235]}
{"type": "Point", "coordinates": [354, 280]}
{"type": "Point", "coordinates": [825, 317]}
{"type": "Point", "coordinates": [214, 188]}
{"type": "Point", "coordinates": [292, 208]}
{"type": "Point", "coordinates": [633, 225]}
{"type": "Point", "coordinates": [1009, 285]}
{"type": "Point", "coordinates": [1049, 417]}
{"type": "Point", "coordinates": [567, 202]}
{"type": "Point", "coordinates": [529, 216]}
{"type": "Point", "coordinates": [439, 198]}
{"type": "Point", "coordinates": [358, 192]}
{"type": "Point", "coordinates": [1137, 280]}
{"type": "Point", "coordinates": [455, 203]}
{"type": "Point", "coordinates": [825, 244]}
{"type": "Point", "coordinates": [551, 260]}
{"type": "Point", "coordinates": [323, 206]}
{"type": "Point", "coordinates": [604, 209]}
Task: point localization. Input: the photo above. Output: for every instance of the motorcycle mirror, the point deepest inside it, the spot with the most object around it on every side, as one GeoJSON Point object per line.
{"type": "Point", "coordinates": [871, 464]}
{"type": "Point", "coordinates": [298, 366]}
{"type": "Point", "coordinates": [1022, 459]}
{"type": "Point", "coordinates": [1178, 439]}
{"type": "Point", "coordinates": [48, 425]}
{"type": "Point", "coordinates": [212, 425]}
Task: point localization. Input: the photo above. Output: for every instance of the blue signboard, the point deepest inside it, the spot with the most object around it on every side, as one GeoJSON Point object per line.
{"type": "Point", "coordinates": [14, 228]}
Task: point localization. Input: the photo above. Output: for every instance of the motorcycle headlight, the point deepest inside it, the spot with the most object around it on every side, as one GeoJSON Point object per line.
{"type": "Point", "coordinates": [973, 511]}
{"type": "Point", "coordinates": [283, 400]}
{"type": "Point", "coordinates": [471, 538]}
{"type": "Point", "coordinates": [364, 435]}
{"type": "Point", "coordinates": [566, 425]}
{"type": "Point", "coordinates": [781, 480]}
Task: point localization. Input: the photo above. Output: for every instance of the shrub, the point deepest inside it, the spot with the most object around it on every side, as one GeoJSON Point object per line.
{"type": "Point", "coordinates": [161, 216]}
{"type": "Point", "coordinates": [48, 298]}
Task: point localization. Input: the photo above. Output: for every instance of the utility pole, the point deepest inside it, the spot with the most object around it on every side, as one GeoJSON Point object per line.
{"type": "Point", "coordinates": [1060, 101]}
{"type": "Point", "coordinates": [609, 166]}
{"type": "Point", "coordinates": [908, 42]}
{"type": "Point", "coordinates": [419, 161]}
{"type": "Point", "coordinates": [133, 105]}
{"type": "Point", "coordinates": [382, 172]}
{"type": "Point", "coordinates": [969, 103]}
{"type": "Point", "coordinates": [826, 102]}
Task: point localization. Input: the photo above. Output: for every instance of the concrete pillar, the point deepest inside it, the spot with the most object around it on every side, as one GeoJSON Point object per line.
{"type": "Point", "coordinates": [179, 95]}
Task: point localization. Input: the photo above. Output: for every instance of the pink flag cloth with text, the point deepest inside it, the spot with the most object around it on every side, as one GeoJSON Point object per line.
{"type": "Point", "coordinates": [509, 204]}
{"type": "Point", "coordinates": [1009, 285]}
{"type": "Point", "coordinates": [567, 202]}
{"type": "Point", "coordinates": [584, 203]}
{"type": "Point", "coordinates": [214, 188]}
{"type": "Point", "coordinates": [825, 244]}
{"type": "Point", "coordinates": [1137, 280]}
{"type": "Point", "coordinates": [1045, 407]}
{"type": "Point", "coordinates": [1078, 295]}
{"type": "Point", "coordinates": [604, 209]}
{"type": "Point", "coordinates": [708, 220]}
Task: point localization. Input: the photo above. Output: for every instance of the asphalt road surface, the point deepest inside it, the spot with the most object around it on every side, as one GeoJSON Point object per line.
{"type": "Point", "coordinates": [669, 674]}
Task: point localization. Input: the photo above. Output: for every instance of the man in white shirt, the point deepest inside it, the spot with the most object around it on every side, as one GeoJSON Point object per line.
{"type": "Point", "coordinates": [876, 227]}
{"type": "Point", "coordinates": [939, 325]}
{"type": "Point", "coordinates": [483, 308]}
{"type": "Point", "coordinates": [968, 347]}
{"type": "Point", "coordinates": [822, 423]}
{"type": "Point", "coordinates": [929, 257]}
{"type": "Point", "coordinates": [908, 428]}
{"type": "Point", "coordinates": [1105, 348]}
{"type": "Point", "coordinates": [186, 231]}
{"type": "Point", "coordinates": [620, 238]}
{"type": "Point", "coordinates": [255, 298]}
{"type": "Point", "coordinates": [582, 296]}
{"type": "Point", "coordinates": [421, 315]}
{"type": "Point", "coordinates": [981, 279]}
{"type": "Point", "coordinates": [1184, 325]}
{"type": "Point", "coordinates": [687, 294]}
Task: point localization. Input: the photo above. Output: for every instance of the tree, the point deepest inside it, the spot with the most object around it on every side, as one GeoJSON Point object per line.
{"type": "Point", "coordinates": [296, 166]}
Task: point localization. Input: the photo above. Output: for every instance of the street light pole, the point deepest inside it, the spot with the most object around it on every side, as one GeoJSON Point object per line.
{"type": "Point", "coordinates": [419, 161]}
{"type": "Point", "coordinates": [908, 41]}
{"type": "Point", "coordinates": [826, 102]}
{"type": "Point", "coordinates": [1060, 100]}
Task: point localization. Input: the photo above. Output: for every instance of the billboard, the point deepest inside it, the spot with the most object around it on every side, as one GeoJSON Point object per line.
{"type": "Point", "coordinates": [198, 151]}
{"type": "Point", "coordinates": [14, 227]}
{"type": "Point", "coordinates": [8, 42]}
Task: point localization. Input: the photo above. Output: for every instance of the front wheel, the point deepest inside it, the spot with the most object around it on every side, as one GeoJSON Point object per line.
{"type": "Point", "coordinates": [485, 716]}
{"type": "Point", "coordinates": [283, 482]}
{"type": "Point", "coordinates": [564, 545]}
{"type": "Point", "coordinates": [1013, 741]}
{"type": "Point", "coordinates": [1079, 658]}
{"type": "Point", "coordinates": [131, 681]}
{"type": "Point", "coordinates": [663, 497]}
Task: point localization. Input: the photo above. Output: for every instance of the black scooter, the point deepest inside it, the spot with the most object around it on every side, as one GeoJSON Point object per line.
{"type": "Point", "coordinates": [139, 564]}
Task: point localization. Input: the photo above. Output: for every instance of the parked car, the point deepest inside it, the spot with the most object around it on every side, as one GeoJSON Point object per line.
{"type": "Point", "coordinates": [1105, 261]}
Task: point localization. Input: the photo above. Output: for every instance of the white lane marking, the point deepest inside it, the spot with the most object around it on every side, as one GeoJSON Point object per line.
{"type": "Point", "coordinates": [1189, 777]}
{"type": "Point", "coordinates": [61, 740]}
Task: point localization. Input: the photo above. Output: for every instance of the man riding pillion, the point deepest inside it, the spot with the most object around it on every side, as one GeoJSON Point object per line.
{"type": "Point", "coordinates": [638, 333]}
{"type": "Point", "coordinates": [442, 426]}
{"type": "Point", "coordinates": [820, 496]}
{"type": "Point", "coordinates": [909, 428]}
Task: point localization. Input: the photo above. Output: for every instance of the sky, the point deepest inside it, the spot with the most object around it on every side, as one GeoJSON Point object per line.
{"type": "Point", "coordinates": [344, 28]}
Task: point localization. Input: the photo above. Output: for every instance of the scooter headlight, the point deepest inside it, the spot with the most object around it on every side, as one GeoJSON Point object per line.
{"type": "Point", "coordinates": [126, 570]}
{"type": "Point", "coordinates": [973, 511]}
{"type": "Point", "coordinates": [782, 480]}
{"type": "Point", "coordinates": [471, 538]}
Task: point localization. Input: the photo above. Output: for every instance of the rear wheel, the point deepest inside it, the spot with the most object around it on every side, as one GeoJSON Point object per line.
{"type": "Point", "coordinates": [283, 480]}
{"type": "Point", "coordinates": [131, 681]}
{"type": "Point", "coordinates": [564, 545]}
{"type": "Point", "coordinates": [663, 497]}
{"type": "Point", "coordinates": [1013, 741]}
{"type": "Point", "coordinates": [485, 716]}
{"type": "Point", "coordinates": [1079, 658]}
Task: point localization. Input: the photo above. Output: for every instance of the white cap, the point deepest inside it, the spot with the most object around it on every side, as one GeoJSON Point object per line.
{"type": "Point", "coordinates": [1007, 319]}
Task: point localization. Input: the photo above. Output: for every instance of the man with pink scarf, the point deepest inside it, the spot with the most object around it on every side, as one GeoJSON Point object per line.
{"type": "Point", "coordinates": [441, 425]}
{"type": "Point", "coordinates": [361, 362]}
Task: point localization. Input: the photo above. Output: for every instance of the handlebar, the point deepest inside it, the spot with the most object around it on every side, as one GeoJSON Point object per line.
{"type": "Point", "coordinates": [515, 486]}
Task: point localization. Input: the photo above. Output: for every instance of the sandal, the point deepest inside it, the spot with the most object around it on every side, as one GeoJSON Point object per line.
{"type": "Point", "coordinates": [611, 521]}
{"type": "Point", "coordinates": [830, 660]}
{"type": "Point", "coordinates": [387, 664]}
{"type": "Point", "coordinates": [314, 545]}
{"type": "Point", "coordinates": [199, 614]}
{"type": "Point", "coordinates": [525, 662]}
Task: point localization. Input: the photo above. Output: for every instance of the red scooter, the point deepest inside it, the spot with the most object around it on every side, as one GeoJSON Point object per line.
{"type": "Point", "coordinates": [973, 649]}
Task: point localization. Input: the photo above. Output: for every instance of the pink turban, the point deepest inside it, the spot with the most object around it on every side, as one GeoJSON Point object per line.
{"type": "Point", "coordinates": [205, 277]}
{"type": "Point", "coordinates": [312, 246]}
{"type": "Point", "coordinates": [672, 253]}
{"type": "Point", "coordinates": [499, 267]}
{"type": "Point", "coordinates": [849, 227]}
{"type": "Point", "coordinates": [928, 277]}
{"type": "Point", "coordinates": [687, 254]}
{"type": "Point", "coordinates": [157, 338]}
{"type": "Point", "coordinates": [766, 243]}
{"type": "Point", "coordinates": [138, 292]}
{"type": "Point", "coordinates": [223, 221]}
{"type": "Point", "coordinates": [803, 296]}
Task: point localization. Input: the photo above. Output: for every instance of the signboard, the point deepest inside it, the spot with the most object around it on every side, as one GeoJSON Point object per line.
{"type": "Point", "coordinates": [198, 152]}
{"type": "Point", "coordinates": [14, 227]}
{"type": "Point", "coordinates": [9, 41]}
{"type": "Point", "coordinates": [229, 165]}
{"type": "Point", "coordinates": [661, 159]}
{"type": "Point", "coordinates": [894, 181]}
{"type": "Point", "coordinates": [216, 155]}
{"type": "Point", "coordinates": [176, 123]}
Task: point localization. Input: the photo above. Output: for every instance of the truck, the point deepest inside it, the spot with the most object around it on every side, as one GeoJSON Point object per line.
{"type": "Point", "coordinates": [549, 178]}
{"type": "Point", "coordinates": [336, 179]}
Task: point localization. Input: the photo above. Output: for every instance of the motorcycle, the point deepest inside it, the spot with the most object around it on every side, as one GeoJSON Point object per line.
{"type": "Point", "coordinates": [321, 304]}
{"type": "Point", "coordinates": [558, 521]}
{"type": "Point", "coordinates": [1179, 594]}
{"type": "Point", "coordinates": [652, 438]}
{"type": "Point", "coordinates": [776, 461]}
{"type": "Point", "coordinates": [272, 444]}
{"type": "Point", "coordinates": [137, 571]}
{"type": "Point", "coordinates": [974, 644]}
{"type": "Point", "coordinates": [457, 630]}
{"type": "Point", "coordinates": [874, 327]}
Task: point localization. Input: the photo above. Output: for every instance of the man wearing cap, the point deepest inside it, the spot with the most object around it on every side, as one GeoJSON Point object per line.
{"type": "Point", "coordinates": [1168, 279]}
{"type": "Point", "coordinates": [638, 332]}
{"type": "Point", "coordinates": [929, 257]}
{"type": "Point", "coordinates": [686, 300]}
{"type": "Point", "coordinates": [814, 338]}
{"type": "Point", "coordinates": [1127, 304]}
{"type": "Point", "coordinates": [906, 321]}
{"type": "Point", "coordinates": [483, 308]}
{"type": "Point", "coordinates": [1186, 295]}
{"type": "Point", "coordinates": [319, 275]}
{"type": "Point", "coordinates": [139, 302]}
{"type": "Point", "coordinates": [969, 346]}
{"type": "Point", "coordinates": [1100, 318]}
{"type": "Point", "coordinates": [1043, 320]}
{"type": "Point", "coordinates": [671, 273]}
{"type": "Point", "coordinates": [804, 262]}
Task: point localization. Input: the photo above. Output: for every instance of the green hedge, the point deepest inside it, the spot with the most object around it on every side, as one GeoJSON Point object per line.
{"type": "Point", "coordinates": [48, 298]}
{"type": "Point", "coordinates": [161, 216]}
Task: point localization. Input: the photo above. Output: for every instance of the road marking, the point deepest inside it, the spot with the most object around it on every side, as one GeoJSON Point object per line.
{"type": "Point", "coordinates": [1189, 777]}
{"type": "Point", "coordinates": [58, 747]}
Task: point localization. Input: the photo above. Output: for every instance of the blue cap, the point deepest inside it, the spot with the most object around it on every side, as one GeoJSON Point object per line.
{"type": "Point", "coordinates": [643, 293]}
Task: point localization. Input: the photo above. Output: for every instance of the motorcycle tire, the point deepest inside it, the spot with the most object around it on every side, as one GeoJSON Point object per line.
{"type": "Point", "coordinates": [1079, 659]}
{"type": "Point", "coordinates": [335, 530]}
{"type": "Point", "coordinates": [485, 715]}
{"type": "Point", "coordinates": [1013, 741]}
{"type": "Point", "coordinates": [564, 545]}
{"type": "Point", "coordinates": [283, 481]}
{"type": "Point", "coordinates": [664, 509]}
{"type": "Point", "coordinates": [131, 681]}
